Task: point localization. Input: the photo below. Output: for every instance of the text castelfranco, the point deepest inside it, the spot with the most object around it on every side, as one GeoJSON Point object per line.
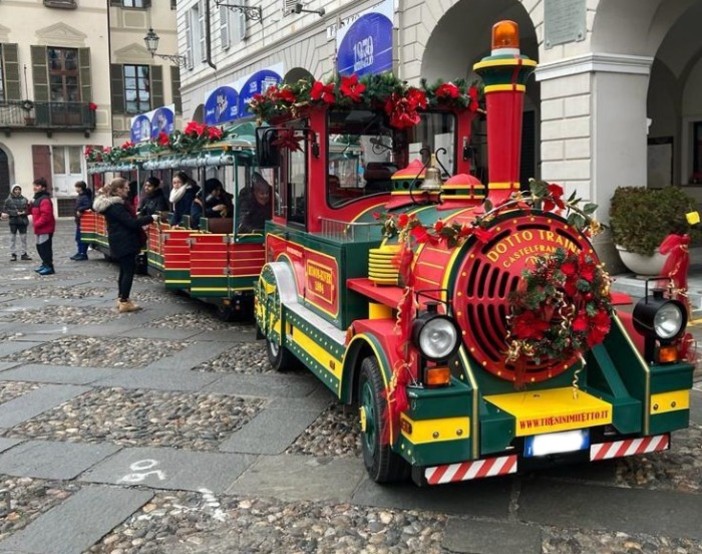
{"type": "Point", "coordinates": [528, 243]}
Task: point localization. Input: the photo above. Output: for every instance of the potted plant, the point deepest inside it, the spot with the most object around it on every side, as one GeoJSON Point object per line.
{"type": "Point", "coordinates": [641, 218]}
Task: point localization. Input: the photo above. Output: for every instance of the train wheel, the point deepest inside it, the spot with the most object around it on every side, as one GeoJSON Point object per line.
{"type": "Point", "coordinates": [382, 464]}
{"type": "Point", "coordinates": [280, 357]}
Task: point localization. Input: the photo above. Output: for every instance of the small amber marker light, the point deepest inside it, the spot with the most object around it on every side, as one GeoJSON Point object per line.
{"type": "Point", "coordinates": [437, 376]}
{"type": "Point", "coordinates": [505, 34]}
{"type": "Point", "coordinates": [667, 354]}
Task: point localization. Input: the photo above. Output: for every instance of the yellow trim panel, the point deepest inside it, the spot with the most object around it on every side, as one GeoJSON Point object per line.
{"type": "Point", "coordinates": [435, 430]}
{"type": "Point", "coordinates": [664, 402]}
{"type": "Point", "coordinates": [548, 411]}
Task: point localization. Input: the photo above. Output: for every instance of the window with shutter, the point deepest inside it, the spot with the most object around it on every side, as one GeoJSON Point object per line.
{"type": "Point", "coordinates": [238, 24]}
{"type": "Point", "coordinates": [40, 73]}
{"type": "Point", "coordinates": [175, 88]}
{"type": "Point", "coordinates": [202, 29]}
{"type": "Point", "coordinates": [157, 98]}
{"type": "Point", "coordinates": [173, 4]}
{"type": "Point", "coordinates": [9, 73]}
{"type": "Point", "coordinates": [189, 44]}
{"type": "Point", "coordinates": [224, 27]}
{"type": "Point", "coordinates": [137, 88]}
{"type": "Point", "coordinates": [117, 88]}
{"type": "Point", "coordinates": [135, 3]}
{"type": "Point", "coordinates": [86, 81]}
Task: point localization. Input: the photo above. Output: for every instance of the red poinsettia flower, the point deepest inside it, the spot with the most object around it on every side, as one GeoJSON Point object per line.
{"type": "Point", "coordinates": [555, 198]}
{"type": "Point", "coordinates": [416, 98]}
{"type": "Point", "coordinates": [214, 133]}
{"type": "Point", "coordinates": [92, 106]}
{"type": "Point", "coordinates": [286, 95]}
{"type": "Point", "coordinates": [581, 322]}
{"type": "Point", "coordinates": [438, 226]}
{"type": "Point", "coordinates": [420, 234]}
{"type": "Point", "coordinates": [127, 145]}
{"type": "Point", "coordinates": [194, 129]}
{"type": "Point", "coordinates": [483, 235]}
{"type": "Point", "coordinates": [527, 326]}
{"type": "Point", "coordinates": [402, 220]}
{"type": "Point", "coordinates": [570, 287]}
{"type": "Point", "coordinates": [351, 88]}
{"type": "Point", "coordinates": [569, 269]}
{"type": "Point", "coordinates": [323, 92]}
{"type": "Point", "coordinates": [288, 139]}
{"type": "Point", "coordinates": [447, 91]}
{"type": "Point", "coordinates": [163, 139]}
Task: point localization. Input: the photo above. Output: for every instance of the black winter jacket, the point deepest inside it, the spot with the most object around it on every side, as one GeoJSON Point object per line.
{"type": "Point", "coordinates": [154, 203]}
{"type": "Point", "coordinates": [124, 231]}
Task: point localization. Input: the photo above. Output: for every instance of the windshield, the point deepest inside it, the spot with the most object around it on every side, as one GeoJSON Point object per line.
{"type": "Point", "coordinates": [364, 152]}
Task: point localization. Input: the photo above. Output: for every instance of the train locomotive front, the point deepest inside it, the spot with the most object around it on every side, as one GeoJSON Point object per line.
{"type": "Point", "coordinates": [473, 325]}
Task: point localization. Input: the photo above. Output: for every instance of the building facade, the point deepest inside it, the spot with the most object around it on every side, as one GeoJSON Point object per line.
{"type": "Point", "coordinates": [616, 99]}
{"type": "Point", "coordinates": [59, 91]}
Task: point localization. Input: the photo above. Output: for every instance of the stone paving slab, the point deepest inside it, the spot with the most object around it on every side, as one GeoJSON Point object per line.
{"type": "Point", "coordinates": [102, 330]}
{"type": "Point", "coordinates": [69, 375]}
{"type": "Point", "coordinates": [8, 365]}
{"type": "Point", "coordinates": [659, 513]}
{"type": "Point", "coordinates": [236, 334]}
{"type": "Point", "coordinates": [6, 444]}
{"type": "Point", "coordinates": [170, 468]}
{"type": "Point", "coordinates": [161, 333]}
{"type": "Point", "coordinates": [487, 537]}
{"type": "Point", "coordinates": [292, 477]}
{"type": "Point", "coordinates": [158, 379]}
{"type": "Point", "coordinates": [53, 460]}
{"type": "Point", "coordinates": [191, 356]}
{"type": "Point", "coordinates": [35, 402]}
{"type": "Point", "coordinates": [484, 498]}
{"type": "Point", "coordinates": [10, 347]}
{"type": "Point", "coordinates": [77, 523]}
{"type": "Point", "coordinates": [264, 386]}
{"type": "Point", "coordinates": [270, 432]}
{"type": "Point", "coordinates": [43, 336]}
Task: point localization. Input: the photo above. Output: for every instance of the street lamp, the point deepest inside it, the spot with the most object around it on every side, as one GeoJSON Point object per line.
{"type": "Point", "coordinates": [253, 13]}
{"type": "Point", "coordinates": [151, 40]}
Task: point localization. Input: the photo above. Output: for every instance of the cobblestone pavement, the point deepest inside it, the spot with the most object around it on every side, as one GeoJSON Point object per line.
{"type": "Point", "coordinates": [165, 430]}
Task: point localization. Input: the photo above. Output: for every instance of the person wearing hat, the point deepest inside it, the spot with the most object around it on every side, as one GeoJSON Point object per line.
{"type": "Point", "coordinates": [17, 210]}
{"type": "Point", "coordinates": [44, 225]}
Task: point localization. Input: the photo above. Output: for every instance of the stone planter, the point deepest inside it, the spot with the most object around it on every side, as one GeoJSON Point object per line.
{"type": "Point", "coordinates": [642, 265]}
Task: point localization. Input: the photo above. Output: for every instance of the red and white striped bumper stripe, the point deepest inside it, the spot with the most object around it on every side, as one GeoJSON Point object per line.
{"type": "Point", "coordinates": [490, 467]}
{"type": "Point", "coordinates": [630, 447]}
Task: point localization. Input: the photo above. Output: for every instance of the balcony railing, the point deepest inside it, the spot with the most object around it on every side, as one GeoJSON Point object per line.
{"type": "Point", "coordinates": [46, 116]}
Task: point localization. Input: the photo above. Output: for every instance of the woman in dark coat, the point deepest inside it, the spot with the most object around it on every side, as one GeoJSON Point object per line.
{"type": "Point", "coordinates": [182, 196]}
{"type": "Point", "coordinates": [124, 234]}
{"type": "Point", "coordinates": [153, 201]}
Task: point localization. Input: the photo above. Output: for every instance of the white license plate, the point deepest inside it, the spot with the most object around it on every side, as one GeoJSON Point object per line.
{"type": "Point", "coordinates": [556, 443]}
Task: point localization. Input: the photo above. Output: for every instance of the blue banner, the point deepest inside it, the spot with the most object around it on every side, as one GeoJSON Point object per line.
{"type": "Point", "coordinates": [222, 106]}
{"type": "Point", "coordinates": [141, 129]}
{"type": "Point", "coordinates": [366, 48]}
{"type": "Point", "coordinates": [162, 121]}
{"type": "Point", "coordinates": [256, 84]}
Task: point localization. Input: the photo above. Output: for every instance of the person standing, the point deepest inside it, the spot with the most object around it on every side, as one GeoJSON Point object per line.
{"type": "Point", "coordinates": [44, 225]}
{"type": "Point", "coordinates": [153, 201]}
{"type": "Point", "coordinates": [17, 208]}
{"type": "Point", "coordinates": [124, 235]}
{"type": "Point", "coordinates": [84, 201]}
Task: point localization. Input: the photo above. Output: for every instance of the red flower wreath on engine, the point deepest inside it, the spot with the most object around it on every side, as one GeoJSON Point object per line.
{"type": "Point", "coordinates": [561, 308]}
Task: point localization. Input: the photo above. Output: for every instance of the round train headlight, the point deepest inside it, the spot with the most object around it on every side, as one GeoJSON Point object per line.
{"type": "Point", "coordinates": [437, 336]}
{"type": "Point", "coordinates": [659, 317]}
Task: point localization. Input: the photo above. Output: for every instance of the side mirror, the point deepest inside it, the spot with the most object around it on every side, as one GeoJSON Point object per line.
{"type": "Point", "coordinates": [267, 151]}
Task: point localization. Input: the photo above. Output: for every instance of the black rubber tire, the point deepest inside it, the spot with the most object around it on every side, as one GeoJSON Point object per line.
{"type": "Point", "coordinates": [382, 464]}
{"type": "Point", "coordinates": [280, 358]}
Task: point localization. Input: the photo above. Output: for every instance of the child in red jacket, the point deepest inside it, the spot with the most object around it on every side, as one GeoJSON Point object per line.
{"type": "Point", "coordinates": [44, 225]}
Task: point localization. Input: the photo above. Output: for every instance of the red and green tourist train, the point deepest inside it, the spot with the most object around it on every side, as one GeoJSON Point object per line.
{"type": "Point", "coordinates": [473, 324]}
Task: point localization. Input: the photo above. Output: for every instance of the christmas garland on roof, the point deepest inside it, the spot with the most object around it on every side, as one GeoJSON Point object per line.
{"type": "Point", "coordinates": [400, 101]}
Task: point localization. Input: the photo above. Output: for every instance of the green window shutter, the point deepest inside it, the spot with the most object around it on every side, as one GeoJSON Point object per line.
{"type": "Point", "coordinates": [40, 74]}
{"type": "Point", "coordinates": [175, 88]}
{"type": "Point", "coordinates": [13, 90]}
{"type": "Point", "coordinates": [86, 82]}
{"type": "Point", "coordinates": [117, 87]}
{"type": "Point", "coordinates": [156, 72]}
